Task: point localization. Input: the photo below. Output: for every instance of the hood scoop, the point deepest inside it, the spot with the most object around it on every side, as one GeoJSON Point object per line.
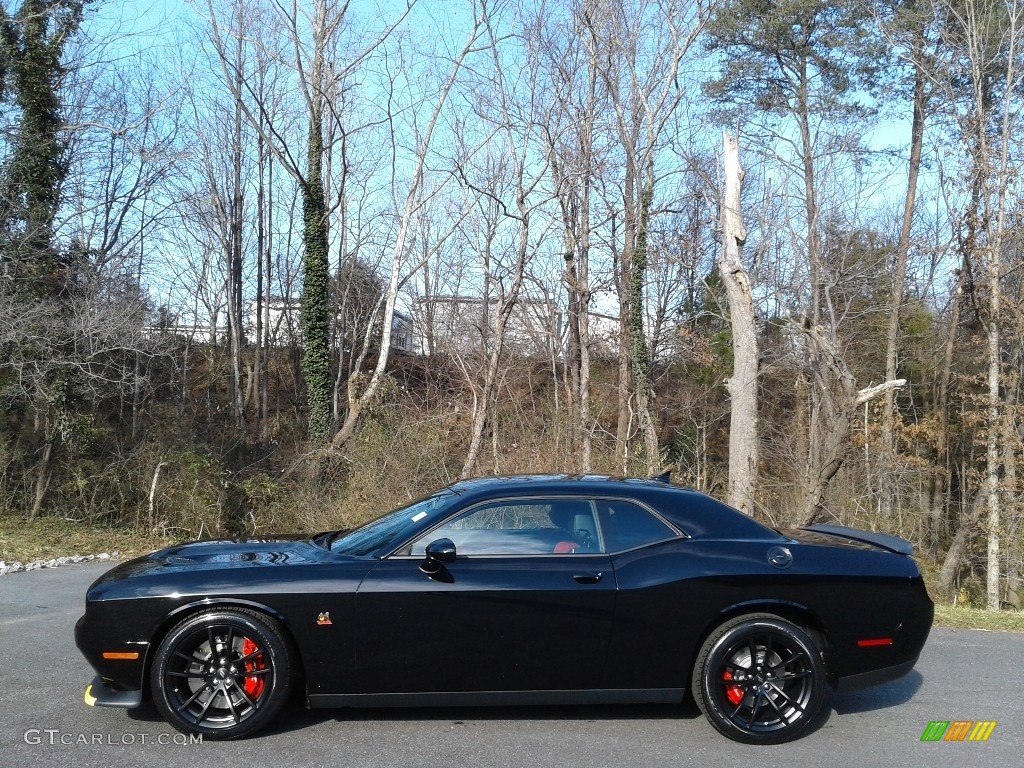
{"type": "Point", "coordinates": [236, 553]}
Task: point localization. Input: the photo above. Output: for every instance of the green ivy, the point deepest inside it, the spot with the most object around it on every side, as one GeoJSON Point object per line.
{"type": "Point", "coordinates": [316, 367]}
{"type": "Point", "coordinates": [31, 45]}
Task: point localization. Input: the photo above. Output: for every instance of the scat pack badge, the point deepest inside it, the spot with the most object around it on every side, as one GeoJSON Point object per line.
{"type": "Point", "coordinates": [324, 618]}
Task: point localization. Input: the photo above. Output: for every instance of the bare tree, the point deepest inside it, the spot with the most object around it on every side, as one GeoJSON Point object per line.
{"type": "Point", "coordinates": [314, 38]}
{"type": "Point", "coordinates": [912, 26]}
{"type": "Point", "coordinates": [985, 38]}
{"type": "Point", "coordinates": [744, 436]}
{"type": "Point", "coordinates": [507, 180]}
{"type": "Point", "coordinates": [567, 55]}
{"type": "Point", "coordinates": [413, 201]}
{"type": "Point", "coordinates": [836, 407]}
{"type": "Point", "coordinates": [641, 48]}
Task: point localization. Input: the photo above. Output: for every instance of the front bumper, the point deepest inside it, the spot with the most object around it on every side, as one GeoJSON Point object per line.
{"type": "Point", "coordinates": [99, 694]}
{"type": "Point", "coordinates": [118, 661]}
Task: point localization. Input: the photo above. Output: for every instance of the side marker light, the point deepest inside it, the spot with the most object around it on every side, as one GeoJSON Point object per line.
{"type": "Point", "coordinates": [875, 642]}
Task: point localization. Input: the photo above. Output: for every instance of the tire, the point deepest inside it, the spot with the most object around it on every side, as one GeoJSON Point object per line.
{"type": "Point", "coordinates": [759, 679]}
{"type": "Point", "coordinates": [233, 691]}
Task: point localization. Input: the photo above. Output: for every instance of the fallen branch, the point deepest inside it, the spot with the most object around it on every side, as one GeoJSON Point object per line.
{"type": "Point", "coordinates": [870, 393]}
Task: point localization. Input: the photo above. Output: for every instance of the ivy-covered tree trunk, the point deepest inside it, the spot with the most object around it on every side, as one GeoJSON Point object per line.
{"type": "Point", "coordinates": [316, 359]}
{"type": "Point", "coordinates": [31, 179]}
{"type": "Point", "coordinates": [642, 381]}
{"type": "Point", "coordinates": [32, 43]}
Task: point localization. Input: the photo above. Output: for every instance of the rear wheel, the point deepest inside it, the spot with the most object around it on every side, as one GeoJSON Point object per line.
{"type": "Point", "coordinates": [759, 679]}
{"type": "Point", "coordinates": [222, 673]}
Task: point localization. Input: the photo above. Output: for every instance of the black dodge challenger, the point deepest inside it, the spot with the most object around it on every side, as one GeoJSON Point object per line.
{"type": "Point", "coordinates": [533, 589]}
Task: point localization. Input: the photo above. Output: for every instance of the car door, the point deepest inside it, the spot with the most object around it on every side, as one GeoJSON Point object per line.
{"type": "Point", "coordinates": [659, 601]}
{"type": "Point", "coordinates": [527, 604]}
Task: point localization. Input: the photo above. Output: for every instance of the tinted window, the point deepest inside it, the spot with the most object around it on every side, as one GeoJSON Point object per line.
{"type": "Point", "coordinates": [627, 526]}
{"type": "Point", "coordinates": [521, 527]}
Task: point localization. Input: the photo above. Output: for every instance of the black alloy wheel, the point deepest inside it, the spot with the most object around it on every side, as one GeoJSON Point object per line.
{"type": "Point", "coordinates": [222, 673]}
{"type": "Point", "coordinates": [759, 679]}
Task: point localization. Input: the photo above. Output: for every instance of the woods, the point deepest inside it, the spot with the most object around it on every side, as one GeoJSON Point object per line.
{"type": "Point", "coordinates": [277, 265]}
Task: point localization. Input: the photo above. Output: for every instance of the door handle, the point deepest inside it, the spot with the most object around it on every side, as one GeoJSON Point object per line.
{"type": "Point", "coordinates": [588, 578]}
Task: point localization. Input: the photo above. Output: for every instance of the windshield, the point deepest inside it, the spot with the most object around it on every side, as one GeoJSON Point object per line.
{"type": "Point", "coordinates": [389, 531]}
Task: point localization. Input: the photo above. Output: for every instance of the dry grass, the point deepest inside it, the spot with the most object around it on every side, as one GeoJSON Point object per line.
{"type": "Point", "coordinates": [47, 537]}
{"type": "Point", "coordinates": [961, 617]}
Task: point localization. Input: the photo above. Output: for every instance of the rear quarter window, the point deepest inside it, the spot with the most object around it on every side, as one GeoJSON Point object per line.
{"type": "Point", "coordinates": [626, 525]}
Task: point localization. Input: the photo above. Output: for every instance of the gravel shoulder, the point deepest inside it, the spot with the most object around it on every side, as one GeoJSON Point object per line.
{"type": "Point", "coordinates": [56, 562]}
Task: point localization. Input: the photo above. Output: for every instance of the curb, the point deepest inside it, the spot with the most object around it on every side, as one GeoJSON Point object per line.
{"type": "Point", "coordinates": [55, 562]}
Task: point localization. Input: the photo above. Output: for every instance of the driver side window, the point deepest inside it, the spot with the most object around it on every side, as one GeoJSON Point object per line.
{"type": "Point", "coordinates": [521, 527]}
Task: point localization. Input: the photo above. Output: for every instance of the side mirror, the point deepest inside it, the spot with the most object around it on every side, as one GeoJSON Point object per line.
{"type": "Point", "coordinates": [437, 554]}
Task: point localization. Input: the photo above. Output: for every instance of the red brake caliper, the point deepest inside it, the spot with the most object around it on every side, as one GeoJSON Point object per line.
{"type": "Point", "coordinates": [733, 693]}
{"type": "Point", "coordinates": [253, 686]}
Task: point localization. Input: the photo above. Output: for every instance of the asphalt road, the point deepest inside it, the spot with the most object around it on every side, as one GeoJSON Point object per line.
{"type": "Point", "coordinates": [962, 675]}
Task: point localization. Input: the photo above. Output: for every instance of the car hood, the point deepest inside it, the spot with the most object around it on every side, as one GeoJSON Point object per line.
{"type": "Point", "coordinates": [199, 564]}
{"type": "Point", "coordinates": [278, 550]}
{"type": "Point", "coordinates": [220, 554]}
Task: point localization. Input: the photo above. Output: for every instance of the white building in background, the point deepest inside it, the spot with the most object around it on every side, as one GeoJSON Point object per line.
{"type": "Point", "coordinates": [535, 327]}
{"type": "Point", "coordinates": [454, 324]}
{"type": "Point", "coordinates": [285, 321]}
{"type": "Point", "coordinates": [403, 334]}
{"type": "Point", "coordinates": [198, 334]}
{"type": "Point", "coordinates": [285, 328]}
{"type": "Point", "coordinates": [605, 334]}
{"type": "Point", "coordinates": [459, 324]}
{"type": "Point", "coordinates": [283, 317]}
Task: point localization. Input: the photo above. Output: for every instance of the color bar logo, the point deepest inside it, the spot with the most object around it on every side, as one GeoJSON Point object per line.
{"type": "Point", "coordinates": [958, 730]}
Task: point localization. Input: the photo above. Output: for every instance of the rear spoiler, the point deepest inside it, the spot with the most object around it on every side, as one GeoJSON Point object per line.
{"type": "Point", "coordinates": [883, 540]}
{"type": "Point", "coordinates": [665, 474]}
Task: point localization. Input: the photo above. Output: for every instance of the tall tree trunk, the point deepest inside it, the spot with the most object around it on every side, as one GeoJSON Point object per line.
{"type": "Point", "coordinates": [940, 491]}
{"type": "Point", "coordinates": [821, 433]}
{"type": "Point", "coordinates": [573, 352]}
{"type": "Point", "coordinates": [259, 354]}
{"type": "Point", "coordinates": [268, 274]}
{"type": "Point", "coordinates": [968, 245]}
{"type": "Point", "coordinates": [994, 423]}
{"type": "Point", "coordinates": [316, 358]}
{"type": "Point", "coordinates": [642, 377]}
{"type": "Point", "coordinates": [585, 421]}
{"type": "Point", "coordinates": [996, 408]}
{"type": "Point", "coordinates": [742, 385]}
{"type": "Point", "coordinates": [810, 203]}
{"type": "Point", "coordinates": [343, 291]}
{"type": "Point", "coordinates": [887, 490]}
{"type": "Point", "coordinates": [235, 330]}
{"type": "Point", "coordinates": [43, 475]}
{"type": "Point", "coordinates": [622, 279]}
{"type": "Point", "coordinates": [1010, 447]}
{"type": "Point", "coordinates": [839, 398]}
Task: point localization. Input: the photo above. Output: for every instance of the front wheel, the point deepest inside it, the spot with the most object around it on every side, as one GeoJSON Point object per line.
{"type": "Point", "coordinates": [759, 679]}
{"type": "Point", "coordinates": [221, 673]}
